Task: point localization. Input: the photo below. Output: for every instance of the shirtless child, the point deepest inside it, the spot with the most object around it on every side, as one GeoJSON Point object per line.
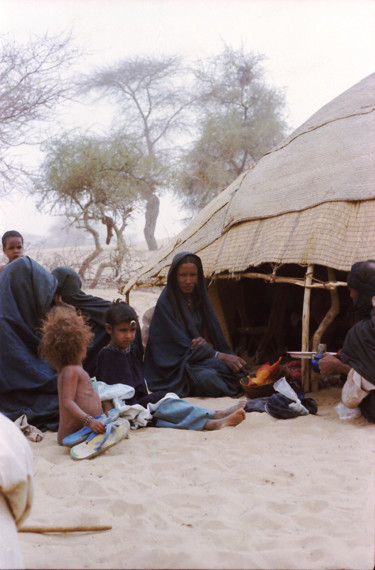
{"type": "Point", "coordinates": [64, 342]}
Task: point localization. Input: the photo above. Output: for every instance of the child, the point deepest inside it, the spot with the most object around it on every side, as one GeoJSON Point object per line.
{"type": "Point", "coordinates": [121, 362]}
{"type": "Point", "coordinates": [65, 337]}
{"type": "Point", "coordinates": [12, 246]}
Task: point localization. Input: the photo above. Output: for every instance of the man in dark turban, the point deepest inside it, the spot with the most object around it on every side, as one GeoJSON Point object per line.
{"type": "Point", "coordinates": [357, 357]}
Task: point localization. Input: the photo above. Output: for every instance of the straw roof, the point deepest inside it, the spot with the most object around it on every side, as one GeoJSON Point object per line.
{"type": "Point", "coordinates": [310, 200]}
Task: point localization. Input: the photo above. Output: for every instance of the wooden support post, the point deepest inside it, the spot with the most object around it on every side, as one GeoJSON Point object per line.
{"type": "Point", "coordinates": [306, 363]}
{"type": "Point", "coordinates": [331, 314]}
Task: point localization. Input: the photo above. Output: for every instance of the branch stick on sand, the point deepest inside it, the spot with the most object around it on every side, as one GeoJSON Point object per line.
{"type": "Point", "coordinates": [45, 529]}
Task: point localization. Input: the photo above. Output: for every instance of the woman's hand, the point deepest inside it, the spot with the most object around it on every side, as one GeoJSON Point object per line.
{"type": "Point", "coordinates": [197, 342]}
{"type": "Point", "coordinates": [97, 426]}
{"type": "Point", "coordinates": [235, 363]}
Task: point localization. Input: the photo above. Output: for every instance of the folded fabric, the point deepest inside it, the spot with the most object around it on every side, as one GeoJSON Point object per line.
{"type": "Point", "coordinates": [137, 415]}
{"type": "Point", "coordinates": [284, 404]}
{"type": "Point", "coordinates": [256, 405]}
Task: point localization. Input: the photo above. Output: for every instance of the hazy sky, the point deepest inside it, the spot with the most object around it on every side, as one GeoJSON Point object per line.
{"type": "Point", "coordinates": [315, 49]}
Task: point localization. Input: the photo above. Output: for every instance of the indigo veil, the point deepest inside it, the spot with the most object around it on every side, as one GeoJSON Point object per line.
{"type": "Point", "coordinates": [28, 384]}
{"type": "Point", "coordinates": [170, 364]}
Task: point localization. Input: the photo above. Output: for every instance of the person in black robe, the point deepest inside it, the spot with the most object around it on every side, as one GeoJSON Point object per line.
{"type": "Point", "coordinates": [93, 308]}
{"type": "Point", "coordinates": [186, 351]}
{"type": "Point", "coordinates": [358, 351]}
{"type": "Point", "coordinates": [28, 385]}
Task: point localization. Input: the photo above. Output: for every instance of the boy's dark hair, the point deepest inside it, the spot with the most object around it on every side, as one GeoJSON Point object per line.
{"type": "Point", "coordinates": [120, 312]}
{"type": "Point", "coordinates": [9, 234]}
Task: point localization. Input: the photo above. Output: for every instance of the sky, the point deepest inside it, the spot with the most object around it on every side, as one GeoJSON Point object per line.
{"type": "Point", "coordinates": [314, 50]}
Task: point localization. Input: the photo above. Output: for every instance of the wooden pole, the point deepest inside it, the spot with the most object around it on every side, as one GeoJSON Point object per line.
{"type": "Point", "coordinates": [45, 529]}
{"type": "Point", "coordinates": [305, 365]}
{"type": "Point", "coordinates": [331, 314]}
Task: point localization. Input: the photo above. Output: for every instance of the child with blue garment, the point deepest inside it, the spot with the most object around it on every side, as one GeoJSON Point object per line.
{"type": "Point", "coordinates": [122, 362]}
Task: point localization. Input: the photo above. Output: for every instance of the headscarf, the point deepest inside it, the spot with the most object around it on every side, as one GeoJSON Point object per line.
{"type": "Point", "coordinates": [362, 279]}
{"type": "Point", "coordinates": [28, 385]}
{"type": "Point", "coordinates": [172, 329]}
{"type": "Point", "coordinates": [69, 287]}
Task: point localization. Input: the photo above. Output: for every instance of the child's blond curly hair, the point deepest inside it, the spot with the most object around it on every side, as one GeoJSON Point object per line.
{"type": "Point", "coordinates": [65, 335]}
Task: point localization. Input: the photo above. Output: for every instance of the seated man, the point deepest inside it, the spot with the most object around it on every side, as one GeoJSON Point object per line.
{"type": "Point", "coordinates": [357, 358]}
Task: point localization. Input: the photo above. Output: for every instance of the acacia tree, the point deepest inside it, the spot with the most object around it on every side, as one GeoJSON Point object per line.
{"type": "Point", "coordinates": [152, 103]}
{"type": "Point", "coordinates": [93, 181]}
{"type": "Point", "coordinates": [33, 79]}
{"type": "Point", "coordinates": [240, 118]}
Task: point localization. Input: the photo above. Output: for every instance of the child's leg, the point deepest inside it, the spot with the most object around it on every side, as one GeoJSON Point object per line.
{"type": "Point", "coordinates": [107, 405]}
{"type": "Point", "coordinates": [179, 414]}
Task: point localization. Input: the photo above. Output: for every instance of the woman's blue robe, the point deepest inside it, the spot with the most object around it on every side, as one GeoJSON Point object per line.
{"type": "Point", "coordinates": [28, 385]}
{"type": "Point", "coordinates": [170, 364]}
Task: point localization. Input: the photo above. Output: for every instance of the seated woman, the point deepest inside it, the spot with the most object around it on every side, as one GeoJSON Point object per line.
{"type": "Point", "coordinates": [186, 352]}
{"type": "Point", "coordinates": [28, 385]}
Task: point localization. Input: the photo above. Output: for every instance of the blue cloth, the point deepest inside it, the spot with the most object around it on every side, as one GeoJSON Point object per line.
{"type": "Point", "coordinates": [170, 364]}
{"type": "Point", "coordinates": [28, 385]}
{"type": "Point", "coordinates": [180, 414]}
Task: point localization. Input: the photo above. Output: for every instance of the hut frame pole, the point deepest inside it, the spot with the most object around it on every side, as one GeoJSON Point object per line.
{"type": "Point", "coordinates": [306, 325]}
{"type": "Point", "coordinates": [329, 317]}
{"type": "Point", "coordinates": [331, 314]}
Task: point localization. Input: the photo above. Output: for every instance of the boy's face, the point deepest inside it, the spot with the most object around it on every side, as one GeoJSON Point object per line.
{"type": "Point", "coordinates": [13, 248]}
{"type": "Point", "coordinates": [122, 335]}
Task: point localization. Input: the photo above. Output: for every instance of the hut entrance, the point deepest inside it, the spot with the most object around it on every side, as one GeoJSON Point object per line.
{"type": "Point", "coordinates": [293, 311]}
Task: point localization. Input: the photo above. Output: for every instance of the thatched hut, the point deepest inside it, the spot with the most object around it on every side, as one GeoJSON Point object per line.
{"type": "Point", "coordinates": [276, 245]}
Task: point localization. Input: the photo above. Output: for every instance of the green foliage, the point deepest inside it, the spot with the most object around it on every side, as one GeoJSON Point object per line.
{"type": "Point", "coordinates": [104, 174]}
{"type": "Point", "coordinates": [152, 101]}
{"type": "Point", "coordinates": [240, 119]}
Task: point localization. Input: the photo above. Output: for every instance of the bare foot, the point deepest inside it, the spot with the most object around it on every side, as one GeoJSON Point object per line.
{"type": "Point", "coordinates": [225, 413]}
{"type": "Point", "coordinates": [229, 421]}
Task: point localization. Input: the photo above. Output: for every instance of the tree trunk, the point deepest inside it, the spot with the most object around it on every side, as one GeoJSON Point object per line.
{"type": "Point", "coordinates": [151, 216]}
{"type": "Point", "coordinates": [98, 248]}
{"type": "Point", "coordinates": [100, 270]}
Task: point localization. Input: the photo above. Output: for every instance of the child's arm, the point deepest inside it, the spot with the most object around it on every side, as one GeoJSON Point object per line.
{"type": "Point", "coordinates": [68, 386]}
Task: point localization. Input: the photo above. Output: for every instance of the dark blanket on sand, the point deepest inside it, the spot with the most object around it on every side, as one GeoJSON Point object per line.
{"type": "Point", "coordinates": [28, 385]}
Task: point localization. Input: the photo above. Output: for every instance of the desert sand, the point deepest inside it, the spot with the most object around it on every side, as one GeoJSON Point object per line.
{"type": "Point", "coordinates": [271, 494]}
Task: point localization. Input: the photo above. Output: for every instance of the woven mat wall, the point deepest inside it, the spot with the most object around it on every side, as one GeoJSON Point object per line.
{"type": "Point", "coordinates": [311, 200]}
{"type": "Point", "coordinates": [334, 162]}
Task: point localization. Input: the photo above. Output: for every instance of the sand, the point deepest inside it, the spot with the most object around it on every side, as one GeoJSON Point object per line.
{"type": "Point", "coordinates": [272, 494]}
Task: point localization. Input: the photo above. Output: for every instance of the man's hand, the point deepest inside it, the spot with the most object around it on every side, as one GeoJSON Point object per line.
{"type": "Point", "coordinates": [330, 365]}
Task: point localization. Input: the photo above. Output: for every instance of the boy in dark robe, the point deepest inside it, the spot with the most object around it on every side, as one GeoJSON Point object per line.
{"type": "Point", "coordinates": [121, 362]}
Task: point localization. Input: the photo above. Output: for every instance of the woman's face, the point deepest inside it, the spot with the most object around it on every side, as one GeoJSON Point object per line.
{"type": "Point", "coordinates": [187, 277]}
